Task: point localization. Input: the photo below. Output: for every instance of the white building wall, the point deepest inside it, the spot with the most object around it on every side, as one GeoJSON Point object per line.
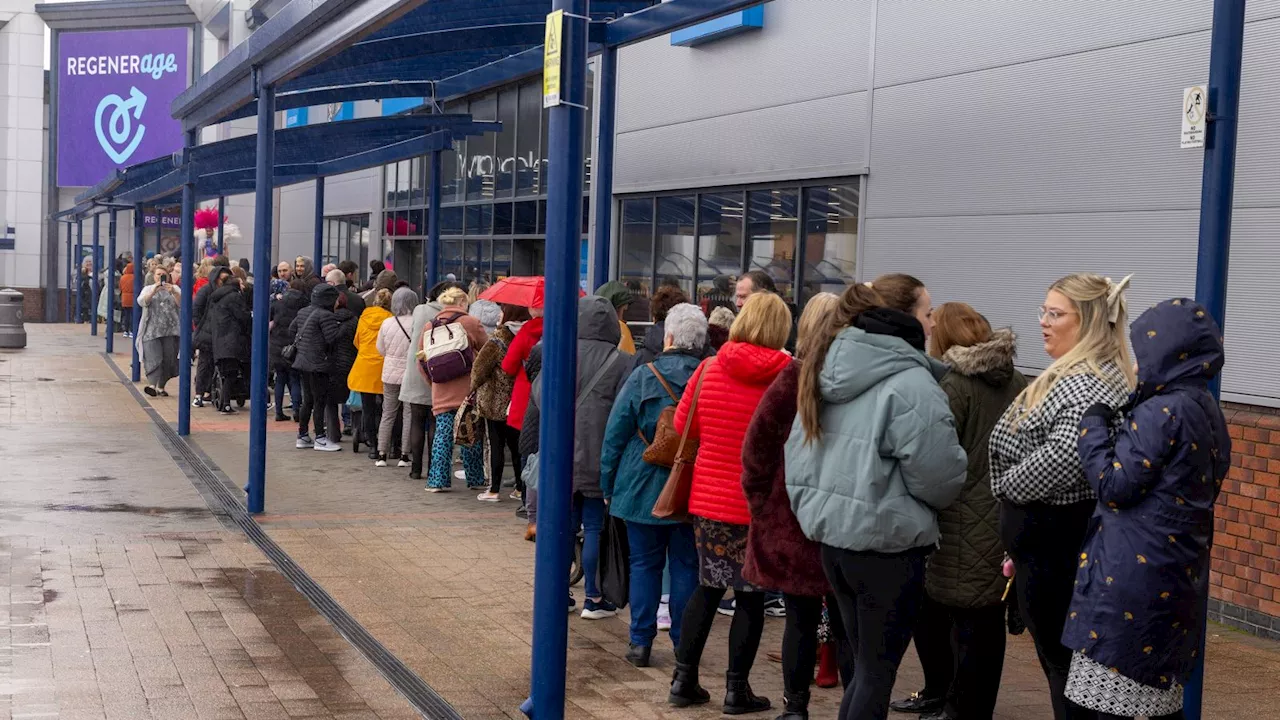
{"type": "Point", "coordinates": [22, 144]}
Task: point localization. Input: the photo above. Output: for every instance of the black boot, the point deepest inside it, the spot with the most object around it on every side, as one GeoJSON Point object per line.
{"type": "Point", "coordinates": [797, 707]}
{"type": "Point", "coordinates": [738, 698]}
{"type": "Point", "coordinates": [685, 690]}
{"type": "Point", "coordinates": [638, 655]}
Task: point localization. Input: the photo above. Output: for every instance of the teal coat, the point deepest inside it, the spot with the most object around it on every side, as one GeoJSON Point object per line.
{"type": "Point", "coordinates": [888, 457]}
{"type": "Point", "coordinates": [629, 483]}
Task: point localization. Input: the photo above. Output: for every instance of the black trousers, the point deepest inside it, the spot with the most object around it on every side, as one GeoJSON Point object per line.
{"type": "Point", "coordinates": [800, 641]}
{"type": "Point", "coordinates": [879, 596]}
{"type": "Point", "coordinates": [204, 372]}
{"type": "Point", "coordinates": [421, 435]}
{"type": "Point", "coordinates": [502, 438]}
{"type": "Point", "coordinates": [315, 399]}
{"type": "Point", "coordinates": [962, 653]}
{"type": "Point", "coordinates": [1044, 542]}
{"type": "Point", "coordinates": [370, 418]}
{"type": "Point", "coordinates": [744, 632]}
{"type": "Point", "coordinates": [231, 370]}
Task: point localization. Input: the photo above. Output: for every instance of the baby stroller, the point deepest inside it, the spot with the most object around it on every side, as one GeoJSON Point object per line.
{"type": "Point", "coordinates": [239, 387]}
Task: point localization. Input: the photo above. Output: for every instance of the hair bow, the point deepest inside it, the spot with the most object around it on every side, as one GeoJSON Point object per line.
{"type": "Point", "coordinates": [1115, 298]}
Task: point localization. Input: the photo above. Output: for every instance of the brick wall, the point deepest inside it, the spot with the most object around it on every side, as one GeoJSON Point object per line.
{"type": "Point", "coordinates": [1245, 579]}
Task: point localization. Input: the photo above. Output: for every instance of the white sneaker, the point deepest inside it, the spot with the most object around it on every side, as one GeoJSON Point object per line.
{"type": "Point", "coordinates": [404, 462]}
{"type": "Point", "coordinates": [380, 463]}
{"type": "Point", "coordinates": [489, 497]}
{"type": "Point", "coordinates": [460, 474]}
{"type": "Point", "coordinates": [304, 442]}
{"type": "Point", "coordinates": [324, 445]}
{"type": "Point", "coordinates": [664, 617]}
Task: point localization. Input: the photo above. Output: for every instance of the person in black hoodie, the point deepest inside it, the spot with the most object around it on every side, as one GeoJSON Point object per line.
{"type": "Point", "coordinates": [203, 338]}
{"type": "Point", "coordinates": [344, 352]}
{"type": "Point", "coordinates": [230, 324]}
{"type": "Point", "coordinates": [316, 329]}
{"type": "Point", "coordinates": [283, 311]}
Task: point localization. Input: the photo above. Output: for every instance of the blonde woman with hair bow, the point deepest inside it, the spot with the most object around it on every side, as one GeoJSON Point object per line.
{"type": "Point", "coordinates": [1045, 501]}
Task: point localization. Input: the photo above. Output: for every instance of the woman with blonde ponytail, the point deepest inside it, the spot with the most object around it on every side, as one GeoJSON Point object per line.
{"type": "Point", "coordinates": [1046, 502]}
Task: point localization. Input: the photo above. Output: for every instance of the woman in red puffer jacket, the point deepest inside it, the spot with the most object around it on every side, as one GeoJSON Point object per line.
{"type": "Point", "coordinates": [732, 384]}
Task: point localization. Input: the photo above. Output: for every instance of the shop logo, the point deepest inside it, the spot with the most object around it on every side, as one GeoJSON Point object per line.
{"type": "Point", "coordinates": [124, 137]}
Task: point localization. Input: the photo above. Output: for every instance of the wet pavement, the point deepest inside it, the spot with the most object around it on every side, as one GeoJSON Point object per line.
{"type": "Point", "coordinates": [92, 500]}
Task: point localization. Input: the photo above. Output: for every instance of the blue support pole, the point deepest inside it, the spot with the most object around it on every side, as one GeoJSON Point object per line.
{"type": "Point", "coordinates": [95, 289]}
{"type": "Point", "coordinates": [79, 263]}
{"type": "Point", "coordinates": [1226, 52]}
{"type": "Point", "coordinates": [607, 113]}
{"type": "Point", "coordinates": [222, 221]}
{"type": "Point", "coordinates": [431, 263]}
{"type": "Point", "coordinates": [261, 298]}
{"type": "Point", "coordinates": [159, 229]}
{"type": "Point", "coordinates": [566, 144]}
{"type": "Point", "coordinates": [139, 270]}
{"type": "Point", "coordinates": [318, 240]}
{"type": "Point", "coordinates": [112, 283]}
{"type": "Point", "coordinates": [187, 244]}
{"type": "Point", "coordinates": [71, 275]}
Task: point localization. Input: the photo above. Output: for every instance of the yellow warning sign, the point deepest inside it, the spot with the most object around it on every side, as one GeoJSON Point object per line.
{"type": "Point", "coordinates": [551, 59]}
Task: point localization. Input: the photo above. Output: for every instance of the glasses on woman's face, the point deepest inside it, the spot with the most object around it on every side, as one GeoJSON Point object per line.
{"type": "Point", "coordinates": [1052, 315]}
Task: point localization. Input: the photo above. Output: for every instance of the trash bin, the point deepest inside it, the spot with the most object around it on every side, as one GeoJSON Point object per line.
{"type": "Point", "coordinates": [12, 334]}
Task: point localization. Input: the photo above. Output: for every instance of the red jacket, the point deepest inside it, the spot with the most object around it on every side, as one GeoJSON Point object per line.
{"type": "Point", "coordinates": [513, 365]}
{"type": "Point", "coordinates": [736, 379]}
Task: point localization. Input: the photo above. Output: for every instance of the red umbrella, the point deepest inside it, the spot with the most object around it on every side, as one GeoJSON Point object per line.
{"type": "Point", "coordinates": [523, 291]}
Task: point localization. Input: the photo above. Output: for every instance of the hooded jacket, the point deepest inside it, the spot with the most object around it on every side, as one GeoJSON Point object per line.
{"type": "Point", "coordinates": [513, 364]}
{"type": "Point", "coordinates": [889, 457]}
{"type": "Point", "coordinates": [393, 345]}
{"type": "Point", "coordinates": [283, 311]}
{"type": "Point", "coordinates": [126, 289]}
{"type": "Point", "coordinates": [203, 338]}
{"type": "Point", "coordinates": [597, 347]}
{"type": "Point", "coordinates": [450, 395]}
{"type": "Point", "coordinates": [315, 338]}
{"type": "Point", "coordinates": [343, 357]}
{"type": "Point", "coordinates": [366, 373]}
{"type": "Point", "coordinates": [631, 484]}
{"type": "Point", "coordinates": [736, 378]}
{"type": "Point", "coordinates": [308, 274]}
{"type": "Point", "coordinates": [965, 570]}
{"type": "Point", "coordinates": [230, 323]}
{"type": "Point", "coordinates": [1144, 567]}
{"type": "Point", "coordinates": [779, 556]}
{"type": "Point", "coordinates": [414, 387]}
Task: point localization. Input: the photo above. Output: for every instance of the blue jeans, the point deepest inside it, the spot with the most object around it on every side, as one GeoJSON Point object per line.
{"type": "Point", "coordinates": [589, 513]}
{"type": "Point", "coordinates": [652, 548]}
{"type": "Point", "coordinates": [292, 378]}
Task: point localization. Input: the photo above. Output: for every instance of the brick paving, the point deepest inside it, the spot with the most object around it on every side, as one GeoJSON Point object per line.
{"type": "Point", "coordinates": [445, 582]}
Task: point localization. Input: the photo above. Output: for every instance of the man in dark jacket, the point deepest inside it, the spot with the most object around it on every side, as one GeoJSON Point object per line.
{"type": "Point", "coordinates": [316, 330]}
{"type": "Point", "coordinates": [599, 360]}
{"type": "Point", "coordinates": [230, 323]}
{"type": "Point", "coordinates": [283, 312]}
{"type": "Point", "coordinates": [203, 339]}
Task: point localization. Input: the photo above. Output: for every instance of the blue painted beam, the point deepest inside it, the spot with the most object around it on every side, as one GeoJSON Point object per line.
{"type": "Point", "coordinates": [112, 283]}
{"type": "Point", "coordinates": [602, 165]}
{"type": "Point", "coordinates": [187, 245]}
{"type": "Point", "coordinates": [669, 17]}
{"type": "Point", "coordinates": [344, 93]}
{"type": "Point", "coordinates": [139, 270]}
{"type": "Point", "coordinates": [262, 216]}
{"type": "Point", "coordinates": [71, 275]}
{"type": "Point", "coordinates": [317, 238]}
{"type": "Point", "coordinates": [97, 272]}
{"type": "Point", "coordinates": [722, 27]}
{"type": "Point", "coordinates": [432, 263]}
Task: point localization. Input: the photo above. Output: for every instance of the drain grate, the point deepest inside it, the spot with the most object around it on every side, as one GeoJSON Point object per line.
{"type": "Point", "coordinates": [203, 473]}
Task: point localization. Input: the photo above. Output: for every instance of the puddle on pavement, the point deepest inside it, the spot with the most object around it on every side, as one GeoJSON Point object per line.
{"type": "Point", "coordinates": [44, 379]}
{"type": "Point", "coordinates": [99, 478]}
{"type": "Point", "coordinates": [185, 513]}
{"type": "Point", "coordinates": [50, 596]}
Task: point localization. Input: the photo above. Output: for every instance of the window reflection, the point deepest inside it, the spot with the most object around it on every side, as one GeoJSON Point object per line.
{"type": "Point", "coordinates": [719, 249]}
{"type": "Point", "coordinates": [635, 246]}
{"type": "Point", "coordinates": [771, 227]}
{"type": "Point", "coordinates": [831, 238]}
{"type": "Point", "coordinates": [676, 242]}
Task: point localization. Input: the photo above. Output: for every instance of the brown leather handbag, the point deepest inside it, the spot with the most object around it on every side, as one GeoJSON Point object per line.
{"type": "Point", "coordinates": [673, 501]}
{"type": "Point", "coordinates": [666, 441]}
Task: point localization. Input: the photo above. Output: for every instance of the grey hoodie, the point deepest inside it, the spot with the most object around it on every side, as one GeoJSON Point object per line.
{"type": "Point", "coordinates": [888, 457]}
{"type": "Point", "coordinates": [414, 388]}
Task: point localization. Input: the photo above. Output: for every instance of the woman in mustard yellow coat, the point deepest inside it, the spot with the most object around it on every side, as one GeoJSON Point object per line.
{"type": "Point", "coordinates": [366, 374]}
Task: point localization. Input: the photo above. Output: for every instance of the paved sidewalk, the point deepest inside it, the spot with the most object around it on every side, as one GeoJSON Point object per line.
{"type": "Point", "coordinates": [445, 582]}
{"type": "Point", "coordinates": [121, 595]}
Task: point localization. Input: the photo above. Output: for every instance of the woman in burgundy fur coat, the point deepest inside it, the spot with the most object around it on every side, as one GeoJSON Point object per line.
{"type": "Point", "coordinates": [779, 556]}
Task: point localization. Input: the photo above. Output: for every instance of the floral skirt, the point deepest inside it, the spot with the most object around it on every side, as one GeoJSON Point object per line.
{"type": "Point", "coordinates": [722, 550]}
{"type": "Point", "coordinates": [1095, 687]}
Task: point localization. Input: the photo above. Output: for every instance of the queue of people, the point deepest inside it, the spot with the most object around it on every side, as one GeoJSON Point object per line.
{"type": "Point", "coordinates": [880, 463]}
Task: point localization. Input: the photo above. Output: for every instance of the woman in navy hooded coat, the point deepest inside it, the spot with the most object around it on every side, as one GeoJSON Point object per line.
{"type": "Point", "coordinates": [1136, 620]}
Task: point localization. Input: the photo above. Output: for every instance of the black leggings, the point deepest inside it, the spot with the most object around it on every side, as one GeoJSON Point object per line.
{"type": "Point", "coordinates": [204, 372]}
{"type": "Point", "coordinates": [800, 642]}
{"type": "Point", "coordinates": [421, 435]}
{"type": "Point", "coordinates": [370, 418]}
{"type": "Point", "coordinates": [744, 633]}
{"type": "Point", "coordinates": [500, 437]}
{"type": "Point", "coordinates": [315, 399]}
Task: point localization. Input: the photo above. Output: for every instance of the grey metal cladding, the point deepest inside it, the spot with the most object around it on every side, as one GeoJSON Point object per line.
{"type": "Point", "coordinates": [755, 146]}
{"type": "Point", "coordinates": [1258, 151]}
{"type": "Point", "coordinates": [916, 40]}
{"type": "Point", "coordinates": [1252, 372]}
{"type": "Point", "coordinates": [808, 49]}
{"type": "Point", "coordinates": [1002, 264]}
{"type": "Point", "coordinates": [1095, 131]}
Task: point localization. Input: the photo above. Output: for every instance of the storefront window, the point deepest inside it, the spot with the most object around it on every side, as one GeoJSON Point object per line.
{"type": "Point", "coordinates": [526, 218]}
{"type": "Point", "coordinates": [771, 228]}
{"type": "Point", "coordinates": [501, 259]}
{"type": "Point", "coordinates": [635, 247]}
{"type": "Point", "coordinates": [719, 249]}
{"type": "Point", "coordinates": [676, 242]}
{"type": "Point", "coordinates": [450, 259]}
{"type": "Point", "coordinates": [528, 136]}
{"type": "Point", "coordinates": [477, 253]}
{"type": "Point", "coordinates": [505, 148]}
{"type": "Point", "coordinates": [450, 220]}
{"type": "Point", "coordinates": [480, 159]}
{"type": "Point", "coordinates": [831, 238]}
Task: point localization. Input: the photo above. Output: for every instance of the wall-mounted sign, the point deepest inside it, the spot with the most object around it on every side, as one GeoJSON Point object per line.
{"type": "Point", "coordinates": [551, 59]}
{"type": "Point", "coordinates": [1195, 115]}
{"type": "Point", "coordinates": [114, 92]}
{"type": "Point", "coordinates": [722, 27]}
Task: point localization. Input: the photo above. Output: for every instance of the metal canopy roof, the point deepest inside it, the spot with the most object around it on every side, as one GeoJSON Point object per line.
{"type": "Point", "coordinates": [305, 153]}
{"type": "Point", "coordinates": [109, 14]}
{"type": "Point", "coordinates": [409, 48]}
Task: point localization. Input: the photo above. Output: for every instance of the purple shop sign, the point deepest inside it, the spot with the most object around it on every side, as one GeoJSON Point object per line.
{"type": "Point", "coordinates": [114, 92]}
{"type": "Point", "coordinates": [170, 221]}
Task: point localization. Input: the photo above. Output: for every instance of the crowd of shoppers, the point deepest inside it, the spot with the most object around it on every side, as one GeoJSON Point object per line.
{"type": "Point", "coordinates": [881, 464]}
